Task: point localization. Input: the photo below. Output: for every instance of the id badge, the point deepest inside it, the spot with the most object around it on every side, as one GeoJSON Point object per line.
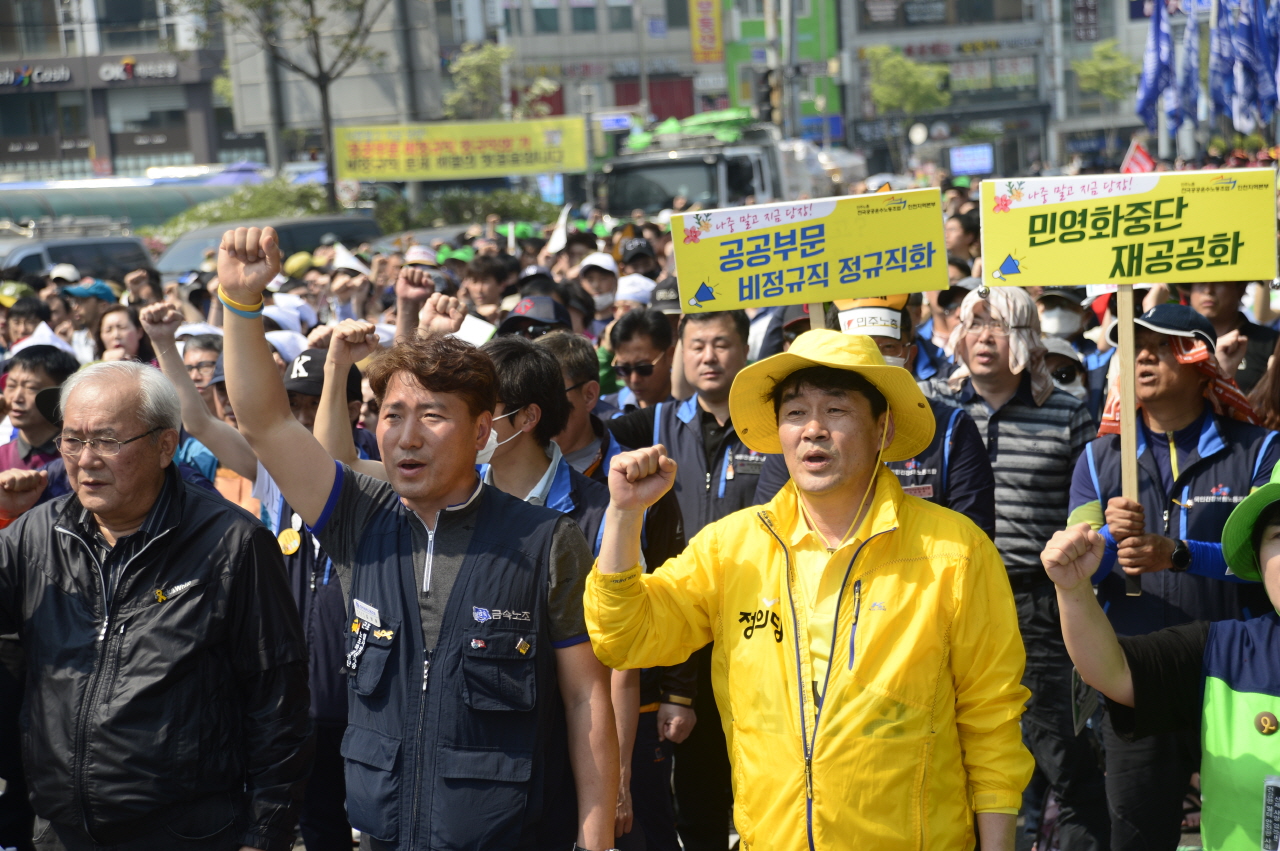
{"type": "Point", "coordinates": [1271, 814]}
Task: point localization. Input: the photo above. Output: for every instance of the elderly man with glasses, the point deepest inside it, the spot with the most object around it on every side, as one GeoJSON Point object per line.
{"type": "Point", "coordinates": [166, 693]}
{"type": "Point", "coordinates": [1033, 434]}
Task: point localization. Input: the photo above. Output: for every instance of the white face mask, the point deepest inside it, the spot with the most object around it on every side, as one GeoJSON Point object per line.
{"type": "Point", "coordinates": [1060, 322]}
{"type": "Point", "coordinates": [892, 361]}
{"type": "Point", "coordinates": [603, 301]}
{"type": "Point", "coordinates": [491, 446]}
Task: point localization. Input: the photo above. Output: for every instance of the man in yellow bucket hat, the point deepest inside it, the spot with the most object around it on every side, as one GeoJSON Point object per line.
{"type": "Point", "coordinates": [867, 655]}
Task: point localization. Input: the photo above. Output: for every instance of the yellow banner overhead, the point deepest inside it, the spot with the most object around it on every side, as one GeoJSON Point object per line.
{"type": "Point", "coordinates": [464, 149]}
{"type": "Point", "coordinates": [1174, 227]}
{"type": "Point", "coordinates": [802, 252]}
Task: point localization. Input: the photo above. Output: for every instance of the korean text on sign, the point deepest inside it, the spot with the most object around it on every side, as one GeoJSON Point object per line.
{"type": "Point", "coordinates": [810, 251]}
{"type": "Point", "coordinates": [1168, 227]}
{"type": "Point", "coordinates": [449, 150]}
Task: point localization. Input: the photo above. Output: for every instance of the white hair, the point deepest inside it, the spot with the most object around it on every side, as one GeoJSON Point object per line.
{"type": "Point", "coordinates": [158, 404]}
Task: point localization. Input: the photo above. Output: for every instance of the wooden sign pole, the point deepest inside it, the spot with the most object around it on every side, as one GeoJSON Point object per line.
{"type": "Point", "coordinates": [817, 316]}
{"type": "Point", "coordinates": [1128, 411]}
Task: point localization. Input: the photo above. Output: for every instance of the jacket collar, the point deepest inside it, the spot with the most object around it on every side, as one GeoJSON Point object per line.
{"type": "Point", "coordinates": [688, 409]}
{"type": "Point", "coordinates": [782, 513]}
{"type": "Point", "coordinates": [165, 512]}
{"type": "Point", "coordinates": [1209, 440]}
{"type": "Point", "coordinates": [1023, 394]}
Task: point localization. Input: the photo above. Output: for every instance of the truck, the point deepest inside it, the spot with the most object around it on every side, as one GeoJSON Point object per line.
{"type": "Point", "coordinates": [711, 160]}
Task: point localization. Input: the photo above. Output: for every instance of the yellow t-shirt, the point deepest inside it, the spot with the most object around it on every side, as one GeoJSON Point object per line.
{"type": "Point", "coordinates": [819, 574]}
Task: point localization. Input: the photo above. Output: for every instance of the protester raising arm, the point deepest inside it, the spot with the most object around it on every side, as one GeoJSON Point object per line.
{"type": "Point", "coordinates": [248, 259]}
{"type": "Point", "coordinates": [161, 321]}
{"type": "Point", "coordinates": [414, 286]}
{"type": "Point", "coordinates": [352, 340]}
{"type": "Point", "coordinates": [1070, 558]}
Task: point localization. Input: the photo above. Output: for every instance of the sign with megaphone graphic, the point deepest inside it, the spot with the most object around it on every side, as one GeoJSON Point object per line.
{"type": "Point", "coordinates": [806, 252]}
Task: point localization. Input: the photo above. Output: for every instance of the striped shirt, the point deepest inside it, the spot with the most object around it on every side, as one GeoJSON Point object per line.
{"type": "Point", "coordinates": [1033, 450]}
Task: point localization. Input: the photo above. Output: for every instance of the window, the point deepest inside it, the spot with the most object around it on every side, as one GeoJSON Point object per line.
{"type": "Point", "coordinates": [751, 9]}
{"type": "Point", "coordinates": [513, 20]}
{"type": "Point", "coordinates": [584, 19]}
{"type": "Point", "coordinates": [899, 14]}
{"type": "Point", "coordinates": [677, 14]}
{"type": "Point", "coordinates": [546, 20]}
{"type": "Point", "coordinates": [620, 18]}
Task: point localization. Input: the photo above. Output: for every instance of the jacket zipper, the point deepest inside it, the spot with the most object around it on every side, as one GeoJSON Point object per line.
{"type": "Point", "coordinates": [431, 552]}
{"type": "Point", "coordinates": [417, 774]}
{"type": "Point", "coordinates": [857, 610]}
{"type": "Point", "coordinates": [809, 744]}
{"type": "Point", "coordinates": [95, 676]}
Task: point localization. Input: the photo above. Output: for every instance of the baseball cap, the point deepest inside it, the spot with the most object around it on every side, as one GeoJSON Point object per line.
{"type": "Point", "coordinates": [635, 288]}
{"type": "Point", "coordinates": [11, 291]}
{"type": "Point", "coordinates": [666, 297]}
{"type": "Point", "coordinates": [98, 289]}
{"type": "Point", "coordinates": [64, 272]}
{"type": "Point", "coordinates": [600, 260]}
{"type": "Point", "coordinates": [305, 375]}
{"type": "Point", "coordinates": [1071, 294]}
{"type": "Point", "coordinates": [419, 255]}
{"type": "Point", "coordinates": [1177, 320]}
{"type": "Point", "coordinates": [298, 264]}
{"type": "Point", "coordinates": [637, 247]}
{"type": "Point", "coordinates": [536, 310]}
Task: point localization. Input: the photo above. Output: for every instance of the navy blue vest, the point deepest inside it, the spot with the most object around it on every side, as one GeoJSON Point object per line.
{"type": "Point", "coordinates": [1211, 484]}
{"type": "Point", "coordinates": [705, 495]}
{"type": "Point", "coordinates": [466, 749]}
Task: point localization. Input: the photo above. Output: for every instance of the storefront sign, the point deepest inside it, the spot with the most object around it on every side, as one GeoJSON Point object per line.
{"type": "Point", "coordinates": [464, 149]}
{"type": "Point", "coordinates": [168, 140]}
{"type": "Point", "coordinates": [801, 252]}
{"type": "Point", "coordinates": [28, 75]}
{"type": "Point", "coordinates": [708, 32]}
{"type": "Point", "coordinates": [1170, 227]}
{"type": "Point", "coordinates": [44, 148]}
{"type": "Point", "coordinates": [130, 69]}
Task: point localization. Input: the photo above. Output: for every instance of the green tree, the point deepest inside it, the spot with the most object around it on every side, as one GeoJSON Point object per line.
{"type": "Point", "coordinates": [901, 85]}
{"type": "Point", "coordinates": [1109, 74]}
{"type": "Point", "coordinates": [319, 40]}
{"type": "Point", "coordinates": [477, 86]}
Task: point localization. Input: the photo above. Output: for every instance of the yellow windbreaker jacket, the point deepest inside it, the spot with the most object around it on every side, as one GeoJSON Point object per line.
{"type": "Point", "coordinates": [918, 728]}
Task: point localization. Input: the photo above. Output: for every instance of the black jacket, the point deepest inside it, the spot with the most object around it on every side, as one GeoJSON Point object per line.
{"type": "Point", "coordinates": [191, 683]}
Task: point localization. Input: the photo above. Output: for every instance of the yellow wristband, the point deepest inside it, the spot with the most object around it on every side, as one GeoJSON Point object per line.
{"type": "Point", "coordinates": [222, 294]}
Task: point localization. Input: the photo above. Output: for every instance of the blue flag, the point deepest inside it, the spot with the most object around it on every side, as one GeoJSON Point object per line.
{"type": "Point", "coordinates": [1157, 65]}
{"type": "Point", "coordinates": [1264, 60]}
{"type": "Point", "coordinates": [1272, 31]}
{"type": "Point", "coordinates": [1189, 82]}
{"type": "Point", "coordinates": [1221, 61]}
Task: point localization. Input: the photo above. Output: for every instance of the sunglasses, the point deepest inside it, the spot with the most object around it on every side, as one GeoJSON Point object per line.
{"type": "Point", "coordinates": [644, 370]}
{"type": "Point", "coordinates": [1065, 374]}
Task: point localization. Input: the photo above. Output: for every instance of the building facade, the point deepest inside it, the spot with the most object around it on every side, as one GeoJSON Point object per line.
{"type": "Point", "coordinates": [109, 87]}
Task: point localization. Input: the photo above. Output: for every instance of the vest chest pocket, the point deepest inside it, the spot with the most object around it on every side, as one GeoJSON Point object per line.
{"type": "Point", "coordinates": [368, 649]}
{"type": "Point", "coordinates": [498, 670]}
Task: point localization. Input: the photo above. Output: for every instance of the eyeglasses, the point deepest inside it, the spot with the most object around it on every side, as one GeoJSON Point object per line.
{"type": "Point", "coordinates": [644, 370]}
{"type": "Point", "coordinates": [576, 386]}
{"type": "Point", "coordinates": [202, 366]}
{"type": "Point", "coordinates": [997, 327]}
{"type": "Point", "coordinates": [103, 447]}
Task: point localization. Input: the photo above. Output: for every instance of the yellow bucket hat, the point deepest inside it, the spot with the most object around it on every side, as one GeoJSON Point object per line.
{"type": "Point", "coordinates": [751, 397]}
{"type": "Point", "coordinates": [298, 264]}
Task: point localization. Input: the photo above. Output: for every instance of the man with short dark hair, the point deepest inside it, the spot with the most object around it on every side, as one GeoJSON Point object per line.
{"type": "Point", "coordinates": [642, 357]}
{"type": "Point", "coordinates": [1220, 303]}
{"type": "Point", "coordinates": [25, 317]}
{"type": "Point", "coordinates": [719, 477]}
{"type": "Point", "coordinates": [639, 258]}
{"type": "Point", "coordinates": [482, 286]}
{"type": "Point", "coordinates": [1200, 453]}
{"type": "Point", "coordinates": [166, 702]}
{"type": "Point", "coordinates": [865, 641]}
{"type": "Point", "coordinates": [471, 682]}
{"type": "Point", "coordinates": [31, 370]}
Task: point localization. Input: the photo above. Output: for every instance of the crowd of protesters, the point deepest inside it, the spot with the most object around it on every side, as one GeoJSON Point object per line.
{"type": "Point", "coordinates": [303, 546]}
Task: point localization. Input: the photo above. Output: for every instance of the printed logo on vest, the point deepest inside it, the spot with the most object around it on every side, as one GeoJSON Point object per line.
{"type": "Point", "coordinates": [481, 615]}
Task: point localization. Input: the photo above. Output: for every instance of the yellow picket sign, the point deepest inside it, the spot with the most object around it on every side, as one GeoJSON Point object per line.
{"type": "Point", "coordinates": [461, 149]}
{"type": "Point", "coordinates": [1174, 227]}
{"type": "Point", "coordinates": [802, 252]}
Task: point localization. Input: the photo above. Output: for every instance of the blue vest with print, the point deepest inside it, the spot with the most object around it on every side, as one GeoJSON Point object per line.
{"type": "Point", "coordinates": [735, 471]}
{"type": "Point", "coordinates": [1209, 486]}
{"type": "Point", "coordinates": [467, 749]}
